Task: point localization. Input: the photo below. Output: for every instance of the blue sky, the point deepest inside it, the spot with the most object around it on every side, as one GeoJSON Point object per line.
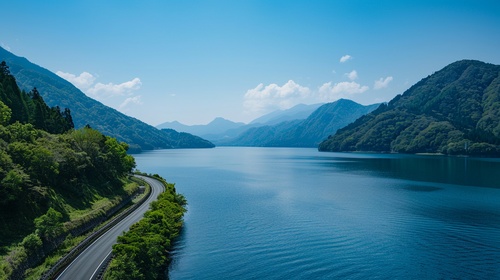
{"type": "Point", "coordinates": [193, 61]}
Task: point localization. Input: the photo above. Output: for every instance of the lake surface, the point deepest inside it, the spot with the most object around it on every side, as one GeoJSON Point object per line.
{"type": "Point", "coordinates": [285, 213]}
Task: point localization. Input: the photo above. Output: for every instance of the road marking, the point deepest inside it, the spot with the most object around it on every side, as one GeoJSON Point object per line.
{"type": "Point", "coordinates": [146, 204]}
{"type": "Point", "coordinates": [99, 266]}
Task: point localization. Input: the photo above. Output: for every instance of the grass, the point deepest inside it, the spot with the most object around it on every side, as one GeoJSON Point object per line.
{"type": "Point", "coordinates": [75, 217]}
{"type": "Point", "coordinates": [71, 242]}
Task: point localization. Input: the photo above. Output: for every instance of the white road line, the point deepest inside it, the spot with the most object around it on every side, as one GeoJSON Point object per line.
{"type": "Point", "coordinates": [99, 266]}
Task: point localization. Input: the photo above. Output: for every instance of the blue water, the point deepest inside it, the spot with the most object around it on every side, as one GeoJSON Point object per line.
{"type": "Point", "coordinates": [280, 213]}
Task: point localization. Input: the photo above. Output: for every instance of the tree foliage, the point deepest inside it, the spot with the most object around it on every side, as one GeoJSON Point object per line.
{"type": "Point", "coordinates": [50, 224]}
{"type": "Point", "coordinates": [57, 91]}
{"type": "Point", "coordinates": [44, 161]}
{"type": "Point", "coordinates": [454, 111]}
{"type": "Point", "coordinates": [29, 107]}
{"type": "Point", "coordinates": [142, 252]}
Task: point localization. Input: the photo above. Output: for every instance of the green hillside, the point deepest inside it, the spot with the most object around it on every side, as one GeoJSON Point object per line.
{"type": "Point", "coordinates": [51, 176]}
{"type": "Point", "coordinates": [59, 92]}
{"type": "Point", "coordinates": [453, 111]}
{"type": "Point", "coordinates": [304, 133]}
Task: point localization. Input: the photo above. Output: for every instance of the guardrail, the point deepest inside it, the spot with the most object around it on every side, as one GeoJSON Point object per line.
{"type": "Point", "coordinates": [68, 258]}
{"type": "Point", "coordinates": [101, 270]}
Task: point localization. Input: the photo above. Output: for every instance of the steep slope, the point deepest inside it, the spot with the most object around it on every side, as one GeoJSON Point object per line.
{"type": "Point", "coordinates": [59, 92]}
{"type": "Point", "coordinates": [48, 173]}
{"type": "Point", "coordinates": [263, 136]}
{"type": "Point", "coordinates": [297, 112]}
{"type": "Point", "coordinates": [453, 111]}
{"type": "Point", "coordinates": [220, 139]}
{"type": "Point", "coordinates": [305, 133]}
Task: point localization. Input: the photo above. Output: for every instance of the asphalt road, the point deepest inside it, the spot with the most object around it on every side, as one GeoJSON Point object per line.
{"type": "Point", "coordinates": [87, 263]}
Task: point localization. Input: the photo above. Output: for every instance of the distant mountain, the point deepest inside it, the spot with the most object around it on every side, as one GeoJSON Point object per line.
{"type": "Point", "coordinates": [453, 111]}
{"type": "Point", "coordinates": [175, 125]}
{"type": "Point", "coordinates": [220, 139]}
{"type": "Point", "coordinates": [217, 126]}
{"type": "Point", "coordinates": [84, 110]}
{"type": "Point", "coordinates": [304, 133]}
{"type": "Point", "coordinates": [298, 112]}
{"type": "Point", "coordinates": [220, 131]}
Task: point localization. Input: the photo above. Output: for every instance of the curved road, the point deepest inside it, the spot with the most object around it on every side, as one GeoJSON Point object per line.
{"type": "Point", "coordinates": [85, 266]}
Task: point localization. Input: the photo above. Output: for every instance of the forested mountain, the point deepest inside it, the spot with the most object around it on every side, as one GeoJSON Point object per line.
{"type": "Point", "coordinates": [453, 111]}
{"type": "Point", "coordinates": [59, 92]}
{"type": "Point", "coordinates": [31, 108]}
{"type": "Point", "coordinates": [44, 176]}
{"type": "Point", "coordinates": [304, 133]}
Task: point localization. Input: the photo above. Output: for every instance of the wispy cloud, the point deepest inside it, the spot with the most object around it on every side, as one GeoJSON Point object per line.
{"type": "Point", "coordinates": [345, 58]}
{"type": "Point", "coordinates": [112, 89]}
{"type": "Point", "coordinates": [382, 83]}
{"type": "Point", "coordinates": [134, 100]}
{"type": "Point", "coordinates": [111, 94]}
{"type": "Point", "coordinates": [353, 75]}
{"type": "Point", "coordinates": [272, 97]}
{"type": "Point", "coordinates": [333, 91]}
{"type": "Point", "coordinates": [83, 81]}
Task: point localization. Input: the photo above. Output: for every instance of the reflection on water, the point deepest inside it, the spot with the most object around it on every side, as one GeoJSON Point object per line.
{"type": "Point", "coordinates": [417, 188]}
{"type": "Point", "coordinates": [438, 169]}
{"type": "Point", "coordinates": [266, 213]}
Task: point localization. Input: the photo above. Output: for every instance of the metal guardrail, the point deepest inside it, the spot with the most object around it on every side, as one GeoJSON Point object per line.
{"type": "Point", "coordinates": [68, 258]}
{"type": "Point", "coordinates": [101, 270]}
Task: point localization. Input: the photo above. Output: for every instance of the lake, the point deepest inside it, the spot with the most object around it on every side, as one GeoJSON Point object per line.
{"type": "Point", "coordinates": [294, 213]}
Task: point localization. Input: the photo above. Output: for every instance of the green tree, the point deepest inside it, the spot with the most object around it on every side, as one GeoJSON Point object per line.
{"type": "Point", "coordinates": [11, 186]}
{"type": "Point", "coordinates": [31, 243]}
{"type": "Point", "coordinates": [4, 69]}
{"type": "Point", "coordinates": [119, 162]}
{"type": "Point", "coordinates": [124, 265]}
{"type": "Point", "coordinates": [5, 114]}
{"type": "Point", "coordinates": [143, 250]}
{"type": "Point", "coordinates": [50, 224]}
{"type": "Point", "coordinates": [22, 132]}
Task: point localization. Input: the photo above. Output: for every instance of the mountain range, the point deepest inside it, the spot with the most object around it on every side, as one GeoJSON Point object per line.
{"type": "Point", "coordinates": [86, 111]}
{"type": "Point", "coordinates": [220, 130]}
{"type": "Point", "coordinates": [300, 126]}
{"type": "Point", "coordinates": [456, 110]}
{"type": "Point", "coordinates": [297, 112]}
{"type": "Point", "coordinates": [307, 132]}
{"type": "Point", "coordinates": [217, 126]}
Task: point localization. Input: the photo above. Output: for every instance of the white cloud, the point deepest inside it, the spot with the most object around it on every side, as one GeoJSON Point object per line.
{"type": "Point", "coordinates": [111, 89]}
{"type": "Point", "coordinates": [83, 81]}
{"type": "Point", "coordinates": [353, 75]}
{"type": "Point", "coordinates": [345, 58]}
{"type": "Point", "coordinates": [382, 83]}
{"type": "Point", "coordinates": [134, 100]}
{"type": "Point", "coordinates": [110, 94]}
{"type": "Point", "coordinates": [272, 97]}
{"type": "Point", "coordinates": [329, 91]}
